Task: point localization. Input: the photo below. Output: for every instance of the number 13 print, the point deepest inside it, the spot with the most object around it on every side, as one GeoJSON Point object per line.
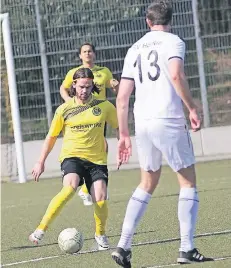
{"type": "Point", "coordinates": [152, 59]}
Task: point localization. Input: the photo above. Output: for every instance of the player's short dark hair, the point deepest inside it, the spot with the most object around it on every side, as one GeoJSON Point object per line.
{"type": "Point", "coordinates": [83, 73]}
{"type": "Point", "coordinates": [87, 44]}
{"type": "Point", "coordinates": [159, 12]}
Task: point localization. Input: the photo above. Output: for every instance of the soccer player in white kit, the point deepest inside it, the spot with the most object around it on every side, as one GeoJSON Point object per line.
{"type": "Point", "coordinates": [154, 65]}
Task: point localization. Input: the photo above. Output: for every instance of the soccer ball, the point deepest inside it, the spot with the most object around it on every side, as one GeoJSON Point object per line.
{"type": "Point", "coordinates": [70, 240]}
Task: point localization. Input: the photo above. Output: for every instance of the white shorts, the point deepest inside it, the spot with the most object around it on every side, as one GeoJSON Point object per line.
{"type": "Point", "coordinates": [168, 138]}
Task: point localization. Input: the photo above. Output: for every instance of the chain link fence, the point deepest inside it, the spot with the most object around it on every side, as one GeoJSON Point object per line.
{"type": "Point", "coordinates": [215, 18]}
{"type": "Point", "coordinates": [113, 26]}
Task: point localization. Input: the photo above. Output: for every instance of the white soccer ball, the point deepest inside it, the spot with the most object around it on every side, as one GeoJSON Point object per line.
{"type": "Point", "coordinates": [70, 240]}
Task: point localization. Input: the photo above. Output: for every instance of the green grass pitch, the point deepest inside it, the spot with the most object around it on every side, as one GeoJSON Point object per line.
{"type": "Point", "coordinates": [156, 241]}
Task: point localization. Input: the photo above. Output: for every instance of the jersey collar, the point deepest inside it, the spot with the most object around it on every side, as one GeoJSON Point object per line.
{"type": "Point", "coordinates": [91, 99]}
{"type": "Point", "coordinates": [92, 69]}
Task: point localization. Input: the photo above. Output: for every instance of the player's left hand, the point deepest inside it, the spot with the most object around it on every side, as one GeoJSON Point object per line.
{"type": "Point", "coordinates": [114, 83]}
{"type": "Point", "coordinates": [124, 150]}
{"type": "Point", "coordinates": [195, 120]}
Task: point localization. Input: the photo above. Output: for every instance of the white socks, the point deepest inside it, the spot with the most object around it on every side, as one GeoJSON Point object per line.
{"type": "Point", "coordinates": [187, 215]}
{"type": "Point", "coordinates": [135, 210]}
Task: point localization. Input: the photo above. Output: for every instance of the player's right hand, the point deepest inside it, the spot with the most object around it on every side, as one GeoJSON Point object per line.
{"type": "Point", "coordinates": [195, 120]}
{"type": "Point", "coordinates": [37, 170]}
{"type": "Point", "coordinates": [114, 83]}
{"type": "Point", "coordinates": [124, 150]}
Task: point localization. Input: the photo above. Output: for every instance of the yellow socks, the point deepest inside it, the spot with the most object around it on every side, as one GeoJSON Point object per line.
{"type": "Point", "coordinates": [57, 203]}
{"type": "Point", "coordinates": [100, 215]}
{"type": "Point", "coordinates": [55, 206]}
{"type": "Point", "coordinates": [84, 189]}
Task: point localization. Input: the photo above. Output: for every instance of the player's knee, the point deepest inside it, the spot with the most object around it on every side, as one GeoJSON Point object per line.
{"type": "Point", "coordinates": [71, 179]}
{"type": "Point", "coordinates": [148, 186]}
{"type": "Point", "coordinates": [149, 180]}
{"type": "Point", "coordinates": [187, 177]}
{"type": "Point", "coordinates": [99, 191]}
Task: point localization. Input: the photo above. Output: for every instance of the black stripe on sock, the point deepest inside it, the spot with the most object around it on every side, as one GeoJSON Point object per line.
{"type": "Point", "coordinates": [138, 200]}
{"type": "Point", "coordinates": [187, 199]}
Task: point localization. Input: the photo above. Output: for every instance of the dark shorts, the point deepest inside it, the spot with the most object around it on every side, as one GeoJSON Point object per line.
{"type": "Point", "coordinates": [87, 171]}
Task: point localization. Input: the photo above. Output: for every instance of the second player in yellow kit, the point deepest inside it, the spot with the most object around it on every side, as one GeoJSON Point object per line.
{"type": "Point", "coordinates": [83, 156]}
{"type": "Point", "coordinates": [103, 79]}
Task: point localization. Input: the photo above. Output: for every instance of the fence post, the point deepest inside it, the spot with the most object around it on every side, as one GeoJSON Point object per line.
{"type": "Point", "coordinates": [6, 31]}
{"type": "Point", "coordinates": [45, 71]}
{"type": "Point", "coordinates": [200, 59]}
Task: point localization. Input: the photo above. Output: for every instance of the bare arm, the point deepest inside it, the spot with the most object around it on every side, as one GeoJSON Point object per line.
{"type": "Point", "coordinates": [46, 149]}
{"type": "Point", "coordinates": [122, 105]}
{"type": "Point", "coordinates": [180, 83]}
{"type": "Point", "coordinates": [64, 93]}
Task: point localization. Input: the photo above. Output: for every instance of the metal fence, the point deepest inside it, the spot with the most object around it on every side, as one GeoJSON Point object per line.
{"type": "Point", "coordinates": [112, 25]}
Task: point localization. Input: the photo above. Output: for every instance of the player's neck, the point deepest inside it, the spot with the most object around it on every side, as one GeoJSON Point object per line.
{"type": "Point", "coordinates": [163, 28]}
{"type": "Point", "coordinates": [81, 102]}
{"type": "Point", "coordinates": [88, 65]}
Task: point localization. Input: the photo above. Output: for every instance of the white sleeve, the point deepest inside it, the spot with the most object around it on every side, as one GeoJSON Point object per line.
{"type": "Point", "coordinates": [128, 67]}
{"type": "Point", "coordinates": [176, 49]}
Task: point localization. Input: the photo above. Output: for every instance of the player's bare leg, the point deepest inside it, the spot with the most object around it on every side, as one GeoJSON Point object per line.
{"type": "Point", "coordinates": [187, 215]}
{"type": "Point", "coordinates": [83, 192]}
{"type": "Point", "coordinates": [135, 210]}
{"type": "Point", "coordinates": [99, 196]}
{"type": "Point", "coordinates": [70, 184]}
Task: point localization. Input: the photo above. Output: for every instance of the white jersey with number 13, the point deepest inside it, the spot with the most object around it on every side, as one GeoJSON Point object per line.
{"type": "Point", "coordinates": [146, 63]}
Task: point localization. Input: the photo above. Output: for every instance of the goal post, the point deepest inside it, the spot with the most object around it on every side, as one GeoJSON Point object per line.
{"type": "Point", "coordinates": [7, 42]}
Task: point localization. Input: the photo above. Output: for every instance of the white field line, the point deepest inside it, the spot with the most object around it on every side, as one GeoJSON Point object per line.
{"type": "Point", "coordinates": [135, 244]}
{"type": "Point", "coordinates": [175, 264]}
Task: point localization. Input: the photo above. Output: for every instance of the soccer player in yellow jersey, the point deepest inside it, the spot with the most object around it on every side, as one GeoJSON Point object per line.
{"type": "Point", "coordinates": [83, 153]}
{"type": "Point", "coordinates": [103, 79]}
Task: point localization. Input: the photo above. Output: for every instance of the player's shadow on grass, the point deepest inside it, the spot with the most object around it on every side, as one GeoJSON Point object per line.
{"type": "Point", "coordinates": [28, 247]}
{"type": "Point", "coordinates": [169, 240]}
{"type": "Point", "coordinates": [55, 243]}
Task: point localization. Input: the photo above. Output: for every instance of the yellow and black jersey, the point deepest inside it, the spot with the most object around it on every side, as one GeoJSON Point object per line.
{"type": "Point", "coordinates": [102, 77]}
{"type": "Point", "coordinates": [83, 129]}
